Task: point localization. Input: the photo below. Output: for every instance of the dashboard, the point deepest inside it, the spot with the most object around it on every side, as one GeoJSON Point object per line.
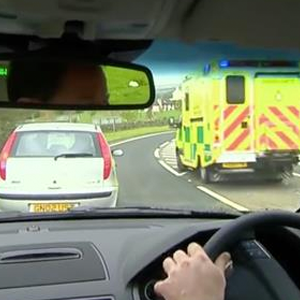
{"type": "Point", "coordinates": [121, 258]}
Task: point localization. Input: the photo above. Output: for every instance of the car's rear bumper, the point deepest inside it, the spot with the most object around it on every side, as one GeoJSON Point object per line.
{"type": "Point", "coordinates": [23, 202]}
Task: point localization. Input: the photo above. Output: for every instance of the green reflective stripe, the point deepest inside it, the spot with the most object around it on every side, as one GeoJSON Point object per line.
{"type": "Point", "coordinates": [206, 147]}
{"type": "Point", "coordinates": [207, 153]}
{"type": "Point", "coordinates": [207, 158]}
{"type": "Point", "coordinates": [187, 135]}
{"type": "Point", "coordinates": [193, 151]}
{"type": "Point", "coordinates": [200, 134]}
{"type": "Point", "coordinates": [180, 134]}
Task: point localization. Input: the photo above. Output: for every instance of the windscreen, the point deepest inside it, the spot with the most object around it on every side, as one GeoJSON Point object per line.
{"type": "Point", "coordinates": [223, 134]}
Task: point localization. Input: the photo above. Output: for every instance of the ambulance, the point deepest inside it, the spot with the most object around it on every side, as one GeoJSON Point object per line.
{"type": "Point", "coordinates": [240, 117]}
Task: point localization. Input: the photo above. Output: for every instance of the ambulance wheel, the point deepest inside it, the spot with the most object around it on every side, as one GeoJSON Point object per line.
{"type": "Point", "coordinates": [206, 175]}
{"type": "Point", "coordinates": [180, 166]}
{"type": "Point", "coordinates": [272, 176]}
{"type": "Point", "coordinates": [276, 178]}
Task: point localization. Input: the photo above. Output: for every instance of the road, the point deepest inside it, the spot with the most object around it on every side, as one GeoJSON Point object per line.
{"type": "Point", "coordinates": [144, 182]}
{"type": "Point", "coordinates": [148, 175]}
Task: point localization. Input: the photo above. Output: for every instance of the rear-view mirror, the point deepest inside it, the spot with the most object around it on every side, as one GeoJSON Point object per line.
{"type": "Point", "coordinates": [57, 84]}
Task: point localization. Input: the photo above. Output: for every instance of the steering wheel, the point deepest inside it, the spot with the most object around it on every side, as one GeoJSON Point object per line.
{"type": "Point", "coordinates": [277, 284]}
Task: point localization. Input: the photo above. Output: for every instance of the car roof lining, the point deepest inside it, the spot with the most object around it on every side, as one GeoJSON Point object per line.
{"type": "Point", "coordinates": [254, 23]}
{"type": "Point", "coordinates": [258, 23]}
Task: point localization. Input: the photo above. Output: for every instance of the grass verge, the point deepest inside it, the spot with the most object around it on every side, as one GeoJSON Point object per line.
{"type": "Point", "coordinates": [130, 133]}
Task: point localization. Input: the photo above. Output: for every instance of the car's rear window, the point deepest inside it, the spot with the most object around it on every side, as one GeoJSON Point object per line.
{"type": "Point", "coordinates": [52, 143]}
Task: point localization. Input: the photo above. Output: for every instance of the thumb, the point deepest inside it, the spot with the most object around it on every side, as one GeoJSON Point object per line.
{"type": "Point", "coordinates": [158, 287]}
{"type": "Point", "coordinates": [223, 261]}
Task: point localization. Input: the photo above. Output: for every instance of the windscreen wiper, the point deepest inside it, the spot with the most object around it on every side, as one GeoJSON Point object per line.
{"type": "Point", "coordinates": [118, 212]}
{"type": "Point", "coordinates": [73, 155]}
{"type": "Point", "coordinates": [149, 211]}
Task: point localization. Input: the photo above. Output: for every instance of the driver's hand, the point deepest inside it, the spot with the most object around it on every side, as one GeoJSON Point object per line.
{"type": "Point", "coordinates": [193, 276]}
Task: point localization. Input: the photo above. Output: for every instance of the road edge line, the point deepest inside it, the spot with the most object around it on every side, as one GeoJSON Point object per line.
{"type": "Point", "coordinates": [171, 170]}
{"type": "Point", "coordinates": [222, 199]}
{"type": "Point", "coordinates": [139, 138]}
{"type": "Point", "coordinates": [163, 145]}
{"type": "Point", "coordinates": [156, 153]}
{"type": "Point", "coordinates": [296, 174]}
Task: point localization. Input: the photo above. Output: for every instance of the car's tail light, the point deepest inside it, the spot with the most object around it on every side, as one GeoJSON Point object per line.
{"type": "Point", "coordinates": [105, 149]}
{"type": "Point", "coordinates": [6, 150]}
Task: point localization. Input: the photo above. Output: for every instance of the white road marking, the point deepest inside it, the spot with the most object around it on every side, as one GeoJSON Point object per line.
{"type": "Point", "coordinates": [156, 153]}
{"type": "Point", "coordinates": [296, 174]}
{"type": "Point", "coordinates": [168, 168]}
{"type": "Point", "coordinates": [222, 199]}
{"type": "Point", "coordinates": [164, 144]}
{"type": "Point", "coordinates": [169, 159]}
{"type": "Point", "coordinates": [139, 138]}
{"type": "Point", "coordinates": [169, 156]}
{"type": "Point", "coordinates": [174, 167]}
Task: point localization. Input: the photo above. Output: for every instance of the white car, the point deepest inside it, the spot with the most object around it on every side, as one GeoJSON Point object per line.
{"type": "Point", "coordinates": [54, 167]}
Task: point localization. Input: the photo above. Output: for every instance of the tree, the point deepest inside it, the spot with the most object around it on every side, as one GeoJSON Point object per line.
{"type": "Point", "coordinates": [11, 118]}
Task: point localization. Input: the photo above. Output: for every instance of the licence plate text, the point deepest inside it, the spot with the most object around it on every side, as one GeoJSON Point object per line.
{"type": "Point", "coordinates": [51, 207]}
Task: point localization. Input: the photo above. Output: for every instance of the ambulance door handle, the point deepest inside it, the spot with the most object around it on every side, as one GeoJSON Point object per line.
{"type": "Point", "coordinates": [244, 125]}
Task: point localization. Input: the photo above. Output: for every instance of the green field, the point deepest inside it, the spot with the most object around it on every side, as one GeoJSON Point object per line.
{"type": "Point", "coordinates": [126, 134]}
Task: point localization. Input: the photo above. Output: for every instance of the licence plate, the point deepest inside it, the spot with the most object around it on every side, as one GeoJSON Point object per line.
{"type": "Point", "coordinates": [51, 207]}
{"type": "Point", "coordinates": [234, 165]}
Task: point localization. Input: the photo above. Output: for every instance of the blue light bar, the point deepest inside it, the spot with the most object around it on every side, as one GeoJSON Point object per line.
{"type": "Point", "coordinates": [224, 64]}
{"type": "Point", "coordinates": [207, 68]}
{"type": "Point", "coordinates": [257, 64]}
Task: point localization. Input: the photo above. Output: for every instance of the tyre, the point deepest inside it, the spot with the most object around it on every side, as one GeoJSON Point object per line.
{"type": "Point", "coordinates": [275, 180]}
{"type": "Point", "coordinates": [209, 174]}
{"type": "Point", "coordinates": [272, 176]}
{"type": "Point", "coordinates": [205, 175]}
{"type": "Point", "coordinates": [180, 166]}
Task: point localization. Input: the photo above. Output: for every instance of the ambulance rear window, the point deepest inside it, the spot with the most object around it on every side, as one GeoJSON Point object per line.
{"type": "Point", "coordinates": [235, 89]}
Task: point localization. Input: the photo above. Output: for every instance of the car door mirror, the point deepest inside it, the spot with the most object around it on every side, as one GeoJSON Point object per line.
{"type": "Point", "coordinates": [173, 123]}
{"type": "Point", "coordinates": [117, 153]}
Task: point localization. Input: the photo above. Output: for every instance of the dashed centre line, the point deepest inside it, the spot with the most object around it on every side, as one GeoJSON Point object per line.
{"type": "Point", "coordinates": [222, 199]}
{"type": "Point", "coordinates": [166, 157]}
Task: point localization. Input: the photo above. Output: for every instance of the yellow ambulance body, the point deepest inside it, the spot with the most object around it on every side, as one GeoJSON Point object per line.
{"type": "Point", "coordinates": [240, 116]}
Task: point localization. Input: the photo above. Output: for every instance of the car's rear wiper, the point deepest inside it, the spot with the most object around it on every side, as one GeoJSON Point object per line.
{"type": "Point", "coordinates": [72, 155]}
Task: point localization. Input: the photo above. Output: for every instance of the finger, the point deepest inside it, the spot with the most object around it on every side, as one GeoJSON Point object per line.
{"type": "Point", "coordinates": [196, 249]}
{"type": "Point", "coordinates": [158, 287]}
{"type": "Point", "coordinates": [179, 256]}
{"type": "Point", "coordinates": [161, 288]}
{"type": "Point", "coordinates": [223, 261]}
{"type": "Point", "coordinates": [168, 264]}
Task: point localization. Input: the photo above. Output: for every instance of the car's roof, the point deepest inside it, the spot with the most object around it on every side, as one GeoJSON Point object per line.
{"type": "Point", "coordinates": [63, 126]}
